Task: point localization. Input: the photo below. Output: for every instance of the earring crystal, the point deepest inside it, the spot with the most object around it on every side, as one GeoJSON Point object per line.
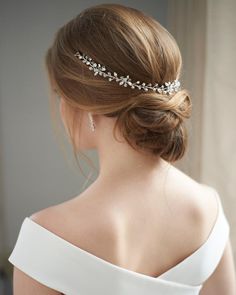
{"type": "Point", "coordinates": [91, 122]}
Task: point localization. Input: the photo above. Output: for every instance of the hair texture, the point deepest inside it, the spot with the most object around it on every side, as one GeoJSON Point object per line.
{"type": "Point", "coordinates": [128, 42]}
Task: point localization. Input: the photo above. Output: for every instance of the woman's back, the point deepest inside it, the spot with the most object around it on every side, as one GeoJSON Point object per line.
{"type": "Point", "coordinates": [145, 226]}
{"type": "Point", "coordinates": [130, 239]}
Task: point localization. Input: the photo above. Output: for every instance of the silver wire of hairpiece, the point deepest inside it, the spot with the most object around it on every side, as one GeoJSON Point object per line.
{"type": "Point", "coordinates": [166, 88]}
{"type": "Point", "coordinates": [91, 122]}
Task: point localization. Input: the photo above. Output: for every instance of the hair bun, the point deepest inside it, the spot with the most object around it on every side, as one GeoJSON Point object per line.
{"type": "Point", "coordinates": [156, 123]}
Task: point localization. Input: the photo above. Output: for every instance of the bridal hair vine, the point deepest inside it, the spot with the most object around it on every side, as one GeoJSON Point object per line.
{"type": "Point", "coordinates": [166, 88]}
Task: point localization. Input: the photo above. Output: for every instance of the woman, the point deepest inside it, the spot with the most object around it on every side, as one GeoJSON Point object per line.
{"type": "Point", "coordinates": [143, 226]}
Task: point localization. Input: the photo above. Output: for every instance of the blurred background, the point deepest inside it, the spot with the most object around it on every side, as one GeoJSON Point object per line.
{"type": "Point", "coordinates": [35, 172]}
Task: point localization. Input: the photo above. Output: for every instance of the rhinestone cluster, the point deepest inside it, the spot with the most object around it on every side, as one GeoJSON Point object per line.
{"type": "Point", "coordinates": [166, 88]}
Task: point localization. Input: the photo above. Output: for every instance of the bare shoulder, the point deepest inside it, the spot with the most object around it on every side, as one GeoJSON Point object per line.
{"type": "Point", "coordinates": [73, 213]}
{"type": "Point", "coordinates": [208, 208]}
{"type": "Point", "coordinates": [196, 203]}
{"type": "Point", "coordinates": [77, 222]}
{"type": "Point", "coordinates": [199, 199]}
{"type": "Point", "coordinates": [51, 217]}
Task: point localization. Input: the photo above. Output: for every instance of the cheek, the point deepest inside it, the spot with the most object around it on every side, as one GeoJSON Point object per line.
{"type": "Point", "coordinates": [62, 108]}
{"type": "Point", "coordinates": [63, 113]}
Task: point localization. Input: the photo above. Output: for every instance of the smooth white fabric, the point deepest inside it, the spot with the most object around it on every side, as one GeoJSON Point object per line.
{"type": "Point", "coordinates": [71, 270]}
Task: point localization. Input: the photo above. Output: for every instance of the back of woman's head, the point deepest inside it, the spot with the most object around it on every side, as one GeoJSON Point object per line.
{"type": "Point", "coordinates": [127, 42]}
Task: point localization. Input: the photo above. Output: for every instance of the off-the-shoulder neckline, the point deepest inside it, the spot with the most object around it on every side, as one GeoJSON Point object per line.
{"type": "Point", "coordinates": [125, 269]}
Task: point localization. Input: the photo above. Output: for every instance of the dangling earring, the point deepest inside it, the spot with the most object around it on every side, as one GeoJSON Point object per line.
{"type": "Point", "coordinates": [91, 122]}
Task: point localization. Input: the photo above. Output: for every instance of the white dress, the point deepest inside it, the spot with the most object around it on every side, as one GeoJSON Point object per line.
{"type": "Point", "coordinates": [62, 266]}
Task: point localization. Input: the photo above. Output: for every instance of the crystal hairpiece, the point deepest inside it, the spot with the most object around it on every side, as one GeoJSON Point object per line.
{"type": "Point", "coordinates": [166, 88]}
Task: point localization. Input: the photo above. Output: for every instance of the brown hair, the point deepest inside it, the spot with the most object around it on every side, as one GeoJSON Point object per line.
{"type": "Point", "coordinates": [126, 41]}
